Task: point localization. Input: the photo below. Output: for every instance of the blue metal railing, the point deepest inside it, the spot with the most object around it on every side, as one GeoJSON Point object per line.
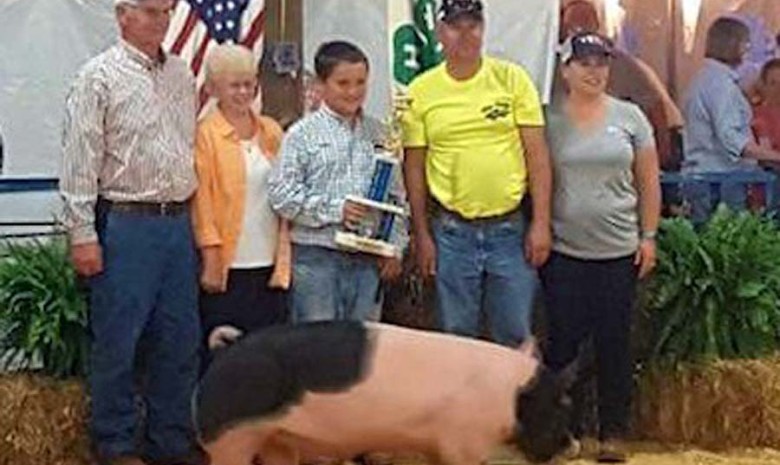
{"type": "Point", "coordinates": [36, 184]}
{"type": "Point", "coordinates": [20, 185]}
{"type": "Point", "coordinates": [755, 190]}
{"type": "Point", "coordinates": [719, 182]}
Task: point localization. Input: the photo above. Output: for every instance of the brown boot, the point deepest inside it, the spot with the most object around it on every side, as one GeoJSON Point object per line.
{"type": "Point", "coordinates": [573, 451]}
{"type": "Point", "coordinates": [612, 451]}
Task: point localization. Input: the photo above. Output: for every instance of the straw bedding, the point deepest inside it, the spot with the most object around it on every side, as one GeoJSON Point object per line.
{"type": "Point", "coordinates": [42, 422]}
{"type": "Point", "coordinates": [723, 405]}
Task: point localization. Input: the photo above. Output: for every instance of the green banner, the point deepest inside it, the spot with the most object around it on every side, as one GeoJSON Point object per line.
{"type": "Point", "coordinates": [415, 48]}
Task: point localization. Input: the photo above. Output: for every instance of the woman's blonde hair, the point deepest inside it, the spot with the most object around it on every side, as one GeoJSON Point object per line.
{"type": "Point", "coordinates": [229, 58]}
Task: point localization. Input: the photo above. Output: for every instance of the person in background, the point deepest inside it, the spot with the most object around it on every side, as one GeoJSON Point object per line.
{"type": "Point", "coordinates": [718, 136]}
{"type": "Point", "coordinates": [632, 79]}
{"type": "Point", "coordinates": [244, 247]}
{"type": "Point", "coordinates": [717, 114]}
{"type": "Point", "coordinates": [606, 208]}
{"type": "Point", "coordinates": [127, 177]}
{"type": "Point", "coordinates": [766, 115]}
{"type": "Point", "coordinates": [312, 93]}
{"type": "Point", "coordinates": [475, 150]}
{"type": "Point", "coordinates": [326, 156]}
{"type": "Point", "coordinates": [777, 45]}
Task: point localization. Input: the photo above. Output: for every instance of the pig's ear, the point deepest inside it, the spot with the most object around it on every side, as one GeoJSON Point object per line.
{"type": "Point", "coordinates": [223, 336]}
{"type": "Point", "coordinates": [530, 348]}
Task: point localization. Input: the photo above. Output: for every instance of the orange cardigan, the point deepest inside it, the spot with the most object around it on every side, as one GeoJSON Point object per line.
{"type": "Point", "coordinates": [218, 205]}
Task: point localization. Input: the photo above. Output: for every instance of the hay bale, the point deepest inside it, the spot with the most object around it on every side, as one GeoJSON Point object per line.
{"type": "Point", "coordinates": [42, 421]}
{"type": "Point", "coordinates": [718, 405]}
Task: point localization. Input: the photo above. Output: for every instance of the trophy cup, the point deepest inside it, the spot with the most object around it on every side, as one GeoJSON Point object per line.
{"type": "Point", "coordinates": [372, 235]}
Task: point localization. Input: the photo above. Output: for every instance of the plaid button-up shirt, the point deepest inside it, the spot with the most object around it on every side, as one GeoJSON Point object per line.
{"type": "Point", "coordinates": [322, 160]}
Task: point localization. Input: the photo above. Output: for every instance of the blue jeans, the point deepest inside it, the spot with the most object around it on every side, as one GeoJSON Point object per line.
{"type": "Point", "coordinates": [481, 267]}
{"type": "Point", "coordinates": [144, 314]}
{"type": "Point", "coordinates": [333, 285]}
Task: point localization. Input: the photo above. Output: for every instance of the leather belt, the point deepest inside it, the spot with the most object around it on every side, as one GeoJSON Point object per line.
{"type": "Point", "coordinates": [441, 210]}
{"type": "Point", "coordinates": [150, 208]}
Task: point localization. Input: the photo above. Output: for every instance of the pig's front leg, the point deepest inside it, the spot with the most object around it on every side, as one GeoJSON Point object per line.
{"type": "Point", "coordinates": [238, 446]}
{"type": "Point", "coordinates": [277, 451]}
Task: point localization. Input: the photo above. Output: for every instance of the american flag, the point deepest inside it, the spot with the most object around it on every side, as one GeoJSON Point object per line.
{"type": "Point", "coordinates": [198, 25]}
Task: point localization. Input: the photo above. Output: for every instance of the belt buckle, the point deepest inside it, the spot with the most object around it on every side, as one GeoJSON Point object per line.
{"type": "Point", "coordinates": [164, 208]}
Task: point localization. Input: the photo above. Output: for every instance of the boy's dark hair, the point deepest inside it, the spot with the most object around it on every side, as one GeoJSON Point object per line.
{"type": "Point", "coordinates": [725, 39]}
{"type": "Point", "coordinates": [333, 53]}
{"type": "Point", "coordinates": [768, 67]}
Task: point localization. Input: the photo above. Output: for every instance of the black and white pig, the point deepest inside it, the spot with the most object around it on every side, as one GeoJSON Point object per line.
{"type": "Point", "coordinates": [292, 394]}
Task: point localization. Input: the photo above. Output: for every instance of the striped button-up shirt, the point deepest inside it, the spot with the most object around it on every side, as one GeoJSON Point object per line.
{"type": "Point", "coordinates": [128, 135]}
{"type": "Point", "coordinates": [322, 160]}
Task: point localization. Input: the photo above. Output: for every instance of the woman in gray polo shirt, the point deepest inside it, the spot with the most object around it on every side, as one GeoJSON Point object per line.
{"type": "Point", "coordinates": [606, 208]}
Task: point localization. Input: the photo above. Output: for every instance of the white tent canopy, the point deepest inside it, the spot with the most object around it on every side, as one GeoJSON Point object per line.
{"type": "Point", "coordinates": [44, 42]}
{"type": "Point", "coordinates": [524, 32]}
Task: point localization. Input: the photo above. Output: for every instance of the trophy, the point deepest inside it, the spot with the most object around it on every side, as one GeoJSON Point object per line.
{"type": "Point", "coordinates": [383, 203]}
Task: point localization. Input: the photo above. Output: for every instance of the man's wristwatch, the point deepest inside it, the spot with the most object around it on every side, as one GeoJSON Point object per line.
{"type": "Point", "coordinates": [648, 235]}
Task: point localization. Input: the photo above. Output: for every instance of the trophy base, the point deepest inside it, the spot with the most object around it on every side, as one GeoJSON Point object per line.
{"type": "Point", "coordinates": [356, 243]}
{"type": "Point", "coordinates": [374, 205]}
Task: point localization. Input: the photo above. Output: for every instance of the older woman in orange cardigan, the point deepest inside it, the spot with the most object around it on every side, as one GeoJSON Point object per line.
{"type": "Point", "coordinates": [245, 247]}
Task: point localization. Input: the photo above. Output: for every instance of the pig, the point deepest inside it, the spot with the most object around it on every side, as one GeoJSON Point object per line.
{"type": "Point", "coordinates": [291, 394]}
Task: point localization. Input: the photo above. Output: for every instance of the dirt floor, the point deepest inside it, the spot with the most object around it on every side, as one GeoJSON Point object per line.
{"type": "Point", "coordinates": [645, 454]}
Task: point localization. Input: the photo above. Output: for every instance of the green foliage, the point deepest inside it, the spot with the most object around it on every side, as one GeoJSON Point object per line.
{"type": "Point", "coordinates": [716, 291]}
{"type": "Point", "coordinates": [43, 315]}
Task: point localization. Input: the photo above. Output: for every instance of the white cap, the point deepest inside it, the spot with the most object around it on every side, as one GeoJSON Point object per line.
{"type": "Point", "coordinates": [128, 2]}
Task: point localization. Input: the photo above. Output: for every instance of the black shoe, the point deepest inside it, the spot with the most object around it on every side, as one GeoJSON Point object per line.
{"type": "Point", "coordinates": [612, 451]}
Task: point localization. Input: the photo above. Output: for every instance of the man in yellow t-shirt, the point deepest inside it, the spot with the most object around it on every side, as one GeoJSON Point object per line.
{"type": "Point", "coordinates": [475, 146]}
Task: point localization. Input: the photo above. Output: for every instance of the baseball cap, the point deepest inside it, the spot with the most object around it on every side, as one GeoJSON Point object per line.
{"type": "Point", "coordinates": [450, 10]}
{"type": "Point", "coordinates": [585, 44]}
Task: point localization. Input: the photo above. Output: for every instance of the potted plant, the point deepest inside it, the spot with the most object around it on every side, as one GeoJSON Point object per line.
{"type": "Point", "coordinates": [43, 355]}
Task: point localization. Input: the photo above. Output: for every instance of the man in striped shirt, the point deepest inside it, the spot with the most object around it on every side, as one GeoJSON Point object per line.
{"type": "Point", "coordinates": [127, 175]}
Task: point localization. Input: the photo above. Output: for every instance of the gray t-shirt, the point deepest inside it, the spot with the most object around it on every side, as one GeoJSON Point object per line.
{"type": "Point", "coordinates": [595, 203]}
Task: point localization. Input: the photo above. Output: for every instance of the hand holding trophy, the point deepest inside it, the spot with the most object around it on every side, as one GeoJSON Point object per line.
{"type": "Point", "coordinates": [381, 205]}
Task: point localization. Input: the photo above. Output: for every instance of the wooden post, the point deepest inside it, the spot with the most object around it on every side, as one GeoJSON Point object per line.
{"type": "Point", "coordinates": [282, 94]}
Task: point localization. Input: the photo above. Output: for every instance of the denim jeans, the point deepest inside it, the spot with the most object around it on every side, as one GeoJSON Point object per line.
{"type": "Point", "coordinates": [481, 269]}
{"type": "Point", "coordinates": [329, 284]}
{"type": "Point", "coordinates": [144, 314]}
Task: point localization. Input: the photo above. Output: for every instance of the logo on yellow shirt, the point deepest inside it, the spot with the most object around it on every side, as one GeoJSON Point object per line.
{"type": "Point", "coordinates": [496, 110]}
